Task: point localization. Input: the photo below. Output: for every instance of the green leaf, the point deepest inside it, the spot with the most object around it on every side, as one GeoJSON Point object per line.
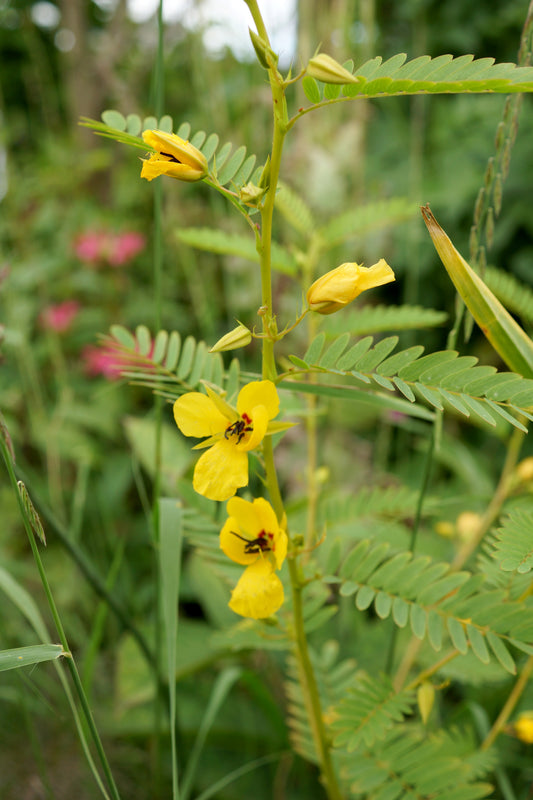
{"type": "Point", "coordinates": [367, 218]}
{"type": "Point", "coordinates": [173, 351]}
{"type": "Point", "coordinates": [479, 645]}
{"type": "Point", "coordinates": [218, 241]}
{"type": "Point", "coordinates": [443, 74]}
{"type": "Point", "coordinates": [133, 124]}
{"type": "Point", "coordinates": [514, 543]}
{"type": "Point", "coordinates": [25, 603]}
{"type": "Point", "coordinates": [295, 210]}
{"type": "Point", "coordinates": [123, 336]}
{"type": "Point", "coordinates": [314, 350]}
{"type": "Point", "coordinates": [311, 90]}
{"type": "Point", "coordinates": [34, 654]}
{"type": "Point", "coordinates": [232, 165]}
{"type": "Point", "coordinates": [144, 339]}
{"type": "Point", "coordinates": [166, 123]}
{"type": "Point", "coordinates": [169, 560]}
{"type": "Point", "coordinates": [501, 653]}
{"type": "Point", "coordinates": [502, 331]}
{"type": "Point", "coordinates": [114, 119]}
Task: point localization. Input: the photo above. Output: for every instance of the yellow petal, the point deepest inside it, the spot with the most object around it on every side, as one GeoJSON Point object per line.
{"type": "Point", "coordinates": [259, 423]}
{"type": "Point", "coordinates": [259, 592]}
{"type": "Point", "coordinates": [233, 546]}
{"type": "Point", "coordinates": [251, 520]}
{"type": "Point", "coordinates": [280, 548]}
{"type": "Point", "coordinates": [175, 157]}
{"type": "Point", "coordinates": [340, 286]}
{"type": "Point", "coordinates": [157, 165]}
{"type": "Point", "coordinates": [258, 393]}
{"type": "Point", "coordinates": [196, 415]}
{"type": "Point", "coordinates": [220, 471]}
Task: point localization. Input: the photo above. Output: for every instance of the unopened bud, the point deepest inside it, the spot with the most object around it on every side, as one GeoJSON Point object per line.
{"type": "Point", "coordinates": [425, 699]}
{"type": "Point", "coordinates": [523, 727]}
{"type": "Point", "coordinates": [324, 68]}
{"type": "Point", "coordinates": [468, 524]}
{"type": "Point", "coordinates": [340, 286]}
{"type": "Point", "coordinates": [266, 56]}
{"type": "Point", "coordinates": [238, 337]}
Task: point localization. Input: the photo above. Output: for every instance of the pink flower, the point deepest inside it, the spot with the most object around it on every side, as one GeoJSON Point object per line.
{"type": "Point", "coordinates": [103, 360]}
{"type": "Point", "coordinates": [111, 248]}
{"type": "Point", "coordinates": [89, 247]}
{"type": "Point", "coordinates": [59, 317]}
{"type": "Point", "coordinates": [111, 360]}
{"type": "Point", "coordinates": [125, 246]}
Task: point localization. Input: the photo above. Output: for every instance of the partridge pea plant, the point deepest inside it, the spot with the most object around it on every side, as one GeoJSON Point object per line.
{"type": "Point", "coordinates": [378, 614]}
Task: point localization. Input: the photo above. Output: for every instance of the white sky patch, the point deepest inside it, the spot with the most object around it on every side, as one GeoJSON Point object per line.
{"type": "Point", "coordinates": [226, 22]}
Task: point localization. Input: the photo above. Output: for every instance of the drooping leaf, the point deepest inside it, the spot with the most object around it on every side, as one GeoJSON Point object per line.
{"type": "Point", "coordinates": [503, 332]}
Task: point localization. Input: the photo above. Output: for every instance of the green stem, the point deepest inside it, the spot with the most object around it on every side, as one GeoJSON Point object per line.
{"type": "Point", "coordinates": [510, 704]}
{"type": "Point", "coordinates": [310, 689]}
{"type": "Point", "coordinates": [70, 662]}
{"type": "Point", "coordinates": [269, 372]}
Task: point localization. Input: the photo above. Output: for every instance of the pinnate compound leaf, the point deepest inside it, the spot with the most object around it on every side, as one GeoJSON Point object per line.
{"type": "Point", "coordinates": [166, 360]}
{"type": "Point", "coordinates": [443, 74]}
{"type": "Point", "coordinates": [514, 543]}
{"type": "Point", "coordinates": [365, 219]}
{"type": "Point", "coordinates": [368, 710]}
{"type": "Point", "coordinates": [218, 241]}
{"type": "Point", "coordinates": [443, 379]}
{"type": "Point", "coordinates": [436, 600]}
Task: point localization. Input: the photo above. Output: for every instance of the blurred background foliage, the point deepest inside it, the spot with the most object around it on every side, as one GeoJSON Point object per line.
{"type": "Point", "coordinates": [76, 257]}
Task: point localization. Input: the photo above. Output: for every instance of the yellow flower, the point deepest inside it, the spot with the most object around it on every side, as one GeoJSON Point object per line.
{"type": "Point", "coordinates": [524, 727]}
{"type": "Point", "coordinates": [340, 286]}
{"type": "Point", "coordinates": [175, 157]}
{"type": "Point", "coordinates": [252, 536]}
{"type": "Point", "coordinates": [223, 468]}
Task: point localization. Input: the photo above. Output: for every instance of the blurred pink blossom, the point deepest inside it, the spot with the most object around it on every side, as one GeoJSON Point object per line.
{"type": "Point", "coordinates": [111, 360]}
{"type": "Point", "coordinates": [125, 246]}
{"type": "Point", "coordinates": [60, 316]}
{"type": "Point", "coordinates": [103, 360]}
{"type": "Point", "coordinates": [111, 248]}
{"type": "Point", "coordinates": [88, 246]}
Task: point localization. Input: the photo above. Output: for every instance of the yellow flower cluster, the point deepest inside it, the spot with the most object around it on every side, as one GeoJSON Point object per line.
{"type": "Point", "coordinates": [251, 535]}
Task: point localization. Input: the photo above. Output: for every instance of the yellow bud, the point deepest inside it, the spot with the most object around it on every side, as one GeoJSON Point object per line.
{"type": "Point", "coordinates": [238, 337]}
{"type": "Point", "coordinates": [174, 157]}
{"type": "Point", "coordinates": [523, 727]}
{"type": "Point", "coordinates": [340, 286]}
{"type": "Point", "coordinates": [445, 529]}
{"type": "Point", "coordinates": [425, 699]}
{"type": "Point", "coordinates": [324, 68]}
{"type": "Point", "coordinates": [524, 470]}
{"type": "Point", "coordinates": [467, 524]}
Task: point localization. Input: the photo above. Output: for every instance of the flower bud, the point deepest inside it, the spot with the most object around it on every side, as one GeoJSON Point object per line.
{"type": "Point", "coordinates": [174, 157]}
{"type": "Point", "coordinates": [238, 337]}
{"type": "Point", "coordinates": [425, 697]}
{"type": "Point", "coordinates": [324, 68]}
{"type": "Point", "coordinates": [340, 286]}
{"type": "Point", "coordinates": [523, 727]}
{"type": "Point", "coordinates": [251, 194]}
{"type": "Point", "coordinates": [266, 56]}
